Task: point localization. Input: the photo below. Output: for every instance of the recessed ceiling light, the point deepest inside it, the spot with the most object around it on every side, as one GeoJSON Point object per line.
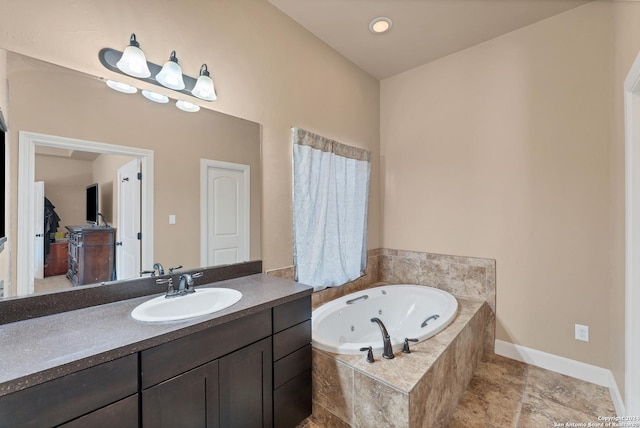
{"type": "Point", "coordinates": [380, 25]}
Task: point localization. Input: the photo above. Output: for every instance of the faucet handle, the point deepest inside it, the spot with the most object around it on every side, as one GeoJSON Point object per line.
{"type": "Point", "coordinates": [171, 269]}
{"type": "Point", "coordinates": [196, 275]}
{"type": "Point", "coordinates": [147, 272]}
{"type": "Point", "coordinates": [170, 290]}
{"type": "Point", "coordinates": [405, 348]}
{"type": "Point", "coordinates": [369, 350]}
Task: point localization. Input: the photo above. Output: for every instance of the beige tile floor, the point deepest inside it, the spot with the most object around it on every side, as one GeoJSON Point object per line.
{"type": "Point", "coordinates": [507, 393]}
{"type": "Point", "coordinates": [52, 283]}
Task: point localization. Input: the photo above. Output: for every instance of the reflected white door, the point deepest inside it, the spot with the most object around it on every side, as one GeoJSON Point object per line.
{"type": "Point", "coordinates": [38, 227]}
{"type": "Point", "coordinates": [127, 243]}
{"type": "Point", "coordinates": [225, 208]}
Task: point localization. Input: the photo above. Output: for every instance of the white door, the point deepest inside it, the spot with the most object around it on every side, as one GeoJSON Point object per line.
{"type": "Point", "coordinates": [38, 227]}
{"type": "Point", "coordinates": [226, 212]}
{"type": "Point", "coordinates": [127, 243]}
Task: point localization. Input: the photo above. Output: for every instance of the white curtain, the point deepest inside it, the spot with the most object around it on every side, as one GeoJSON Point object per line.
{"type": "Point", "coordinates": [330, 198]}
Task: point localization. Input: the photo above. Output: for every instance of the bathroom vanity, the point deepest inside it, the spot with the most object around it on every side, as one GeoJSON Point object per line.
{"type": "Point", "coordinates": [248, 365]}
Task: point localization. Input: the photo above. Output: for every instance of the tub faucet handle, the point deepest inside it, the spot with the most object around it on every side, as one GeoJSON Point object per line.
{"type": "Point", "coordinates": [405, 348]}
{"type": "Point", "coordinates": [369, 350]}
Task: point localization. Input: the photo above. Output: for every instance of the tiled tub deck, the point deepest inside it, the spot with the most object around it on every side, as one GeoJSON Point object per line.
{"type": "Point", "coordinates": [420, 389]}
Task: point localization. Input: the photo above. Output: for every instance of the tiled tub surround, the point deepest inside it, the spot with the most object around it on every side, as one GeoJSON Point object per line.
{"type": "Point", "coordinates": [470, 278]}
{"type": "Point", "coordinates": [420, 389]}
{"type": "Point", "coordinates": [465, 277]}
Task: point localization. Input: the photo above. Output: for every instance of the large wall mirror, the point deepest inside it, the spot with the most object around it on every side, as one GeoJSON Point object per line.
{"type": "Point", "coordinates": [198, 201]}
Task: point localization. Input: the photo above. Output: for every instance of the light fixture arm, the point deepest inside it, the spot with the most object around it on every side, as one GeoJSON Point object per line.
{"type": "Point", "coordinates": [133, 41]}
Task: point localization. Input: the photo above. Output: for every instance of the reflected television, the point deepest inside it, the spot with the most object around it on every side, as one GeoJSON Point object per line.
{"type": "Point", "coordinates": [92, 204]}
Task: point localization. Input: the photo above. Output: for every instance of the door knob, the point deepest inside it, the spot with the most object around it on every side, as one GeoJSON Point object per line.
{"type": "Point", "coordinates": [39, 235]}
{"type": "Point", "coordinates": [119, 244]}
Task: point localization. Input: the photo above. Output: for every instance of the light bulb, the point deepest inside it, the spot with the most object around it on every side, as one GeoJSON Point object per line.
{"type": "Point", "coordinates": [121, 87]}
{"type": "Point", "coordinates": [155, 97]}
{"type": "Point", "coordinates": [187, 106]}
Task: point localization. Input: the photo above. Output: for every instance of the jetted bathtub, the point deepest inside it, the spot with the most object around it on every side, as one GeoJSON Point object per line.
{"type": "Point", "coordinates": [343, 326]}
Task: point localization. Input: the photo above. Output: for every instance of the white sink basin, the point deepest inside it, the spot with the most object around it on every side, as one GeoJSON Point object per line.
{"type": "Point", "coordinates": [204, 301]}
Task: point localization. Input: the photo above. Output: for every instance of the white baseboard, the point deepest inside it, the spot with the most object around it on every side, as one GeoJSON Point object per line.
{"type": "Point", "coordinates": [565, 366]}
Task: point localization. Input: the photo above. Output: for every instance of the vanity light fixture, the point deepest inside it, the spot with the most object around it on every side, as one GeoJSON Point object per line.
{"type": "Point", "coordinates": [171, 74]}
{"type": "Point", "coordinates": [380, 25]}
{"type": "Point", "coordinates": [187, 106]}
{"type": "Point", "coordinates": [204, 88]}
{"type": "Point", "coordinates": [121, 87]}
{"type": "Point", "coordinates": [155, 97]}
{"type": "Point", "coordinates": [133, 62]}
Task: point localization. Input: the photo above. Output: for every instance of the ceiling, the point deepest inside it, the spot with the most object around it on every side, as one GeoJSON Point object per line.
{"type": "Point", "coordinates": [422, 31]}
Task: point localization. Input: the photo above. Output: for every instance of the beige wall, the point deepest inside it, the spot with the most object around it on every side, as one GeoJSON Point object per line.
{"type": "Point", "coordinates": [65, 181]}
{"type": "Point", "coordinates": [500, 151]}
{"type": "Point", "coordinates": [265, 66]}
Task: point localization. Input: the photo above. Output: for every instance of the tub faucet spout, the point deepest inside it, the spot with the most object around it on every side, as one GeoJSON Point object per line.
{"type": "Point", "coordinates": [386, 339]}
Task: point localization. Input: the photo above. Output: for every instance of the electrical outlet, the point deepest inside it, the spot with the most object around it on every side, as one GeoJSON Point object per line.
{"type": "Point", "coordinates": [582, 332]}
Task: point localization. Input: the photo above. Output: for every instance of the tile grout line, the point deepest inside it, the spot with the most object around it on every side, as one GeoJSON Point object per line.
{"type": "Point", "coordinates": [524, 388]}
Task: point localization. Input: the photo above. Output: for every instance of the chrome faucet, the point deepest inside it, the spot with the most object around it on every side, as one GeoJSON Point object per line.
{"type": "Point", "coordinates": [159, 268]}
{"type": "Point", "coordinates": [386, 339]}
{"type": "Point", "coordinates": [186, 282]}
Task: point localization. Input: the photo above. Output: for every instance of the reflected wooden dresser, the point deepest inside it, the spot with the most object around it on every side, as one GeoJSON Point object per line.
{"type": "Point", "coordinates": [91, 254]}
{"type": "Point", "coordinates": [57, 260]}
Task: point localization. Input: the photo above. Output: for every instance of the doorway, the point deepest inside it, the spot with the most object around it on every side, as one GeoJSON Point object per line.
{"type": "Point", "coordinates": [224, 212]}
{"type": "Point", "coordinates": [26, 202]}
{"type": "Point", "coordinates": [632, 231]}
{"type": "Point", "coordinates": [127, 243]}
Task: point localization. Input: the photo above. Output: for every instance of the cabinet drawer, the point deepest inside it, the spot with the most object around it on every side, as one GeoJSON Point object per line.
{"type": "Point", "coordinates": [61, 400]}
{"type": "Point", "coordinates": [292, 401]}
{"type": "Point", "coordinates": [97, 238]}
{"type": "Point", "coordinates": [58, 250]}
{"type": "Point", "coordinates": [121, 414]}
{"type": "Point", "coordinates": [292, 313]}
{"type": "Point", "coordinates": [291, 339]}
{"type": "Point", "coordinates": [291, 366]}
{"type": "Point", "coordinates": [176, 357]}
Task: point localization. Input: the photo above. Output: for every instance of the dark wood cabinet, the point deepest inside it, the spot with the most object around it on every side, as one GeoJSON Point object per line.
{"type": "Point", "coordinates": [121, 414]}
{"type": "Point", "coordinates": [292, 362]}
{"type": "Point", "coordinates": [57, 259]}
{"type": "Point", "coordinates": [188, 400]}
{"type": "Point", "coordinates": [254, 371]}
{"type": "Point", "coordinates": [246, 387]}
{"type": "Point", "coordinates": [91, 254]}
{"type": "Point", "coordinates": [62, 400]}
{"type": "Point", "coordinates": [221, 376]}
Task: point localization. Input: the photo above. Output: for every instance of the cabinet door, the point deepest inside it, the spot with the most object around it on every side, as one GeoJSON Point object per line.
{"type": "Point", "coordinates": [246, 387]}
{"type": "Point", "coordinates": [121, 414]}
{"type": "Point", "coordinates": [185, 401]}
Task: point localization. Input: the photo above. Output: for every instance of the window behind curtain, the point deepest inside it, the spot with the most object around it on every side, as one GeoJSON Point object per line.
{"type": "Point", "coordinates": [330, 198]}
